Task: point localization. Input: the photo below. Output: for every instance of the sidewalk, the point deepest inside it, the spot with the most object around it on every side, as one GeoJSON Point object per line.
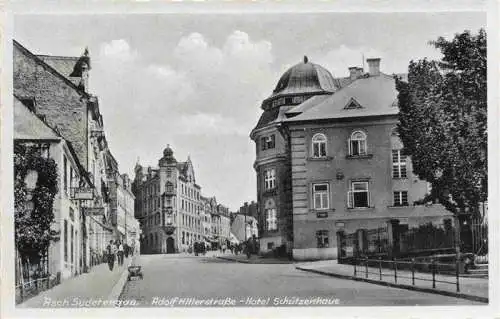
{"type": "Point", "coordinates": [254, 259]}
{"type": "Point", "coordinates": [470, 288]}
{"type": "Point", "coordinates": [99, 283]}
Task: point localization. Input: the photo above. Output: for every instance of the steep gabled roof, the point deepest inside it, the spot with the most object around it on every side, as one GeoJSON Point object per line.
{"type": "Point", "coordinates": [28, 126]}
{"type": "Point", "coordinates": [65, 65]}
{"type": "Point", "coordinates": [50, 68]}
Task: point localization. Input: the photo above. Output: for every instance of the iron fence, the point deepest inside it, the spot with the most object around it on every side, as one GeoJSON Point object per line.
{"type": "Point", "coordinates": [32, 288]}
{"type": "Point", "coordinates": [407, 270]}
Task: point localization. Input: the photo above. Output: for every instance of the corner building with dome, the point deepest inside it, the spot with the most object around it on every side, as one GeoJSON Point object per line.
{"type": "Point", "coordinates": [331, 178]}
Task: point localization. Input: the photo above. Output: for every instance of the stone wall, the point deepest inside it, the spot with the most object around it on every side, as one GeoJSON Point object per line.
{"type": "Point", "coordinates": [62, 104]}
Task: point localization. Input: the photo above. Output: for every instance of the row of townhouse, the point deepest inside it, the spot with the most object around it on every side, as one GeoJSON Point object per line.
{"type": "Point", "coordinates": [55, 113]}
{"type": "Point", "coordinates": [171, 210]}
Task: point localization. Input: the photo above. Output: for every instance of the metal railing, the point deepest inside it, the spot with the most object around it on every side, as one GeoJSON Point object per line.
{"type": "Point", "coordinates": [34, 287]}
{"type": "Point", "coordinates": [361, 267]}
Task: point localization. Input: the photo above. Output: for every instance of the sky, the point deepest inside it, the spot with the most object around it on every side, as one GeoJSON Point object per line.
{"type": "Point", "coordinates": [196, 81]}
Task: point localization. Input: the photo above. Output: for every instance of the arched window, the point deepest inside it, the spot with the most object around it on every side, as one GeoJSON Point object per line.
{"type": "Point", "coordinates": [271, 215]}
{"type": "Point", "coordinates": [319, 145]}
{"type": "Point", "coordinates": [357, 144]}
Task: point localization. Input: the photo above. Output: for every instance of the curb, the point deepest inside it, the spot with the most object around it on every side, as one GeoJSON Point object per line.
{"type": "Point", "coordinates": [120, 284]}
{"type": "Point", "coordinates": [402, 286]}
{"type": "Point", "coordinates": [235, 260]}
{"type": "Point", "coordinates": [246, 261]}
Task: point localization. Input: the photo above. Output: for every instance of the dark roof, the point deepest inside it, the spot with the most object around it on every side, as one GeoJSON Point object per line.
{"type": "Point", "coordinates": [304, 78]}
{"type": "Point", "coordinates": [54, 71]}
{"type": "Point", "coordinates": [267, 117]}
{"type": "Point", "coordinates": [377, 95]}
{"type": "Point", "coordinates": [65, 65]}
{"type": "Point", "coordinates": [28, 126]}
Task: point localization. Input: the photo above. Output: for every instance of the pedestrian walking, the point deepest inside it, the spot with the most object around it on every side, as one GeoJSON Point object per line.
{"type": "Point", "coordinates": [110, 252]}
{"type": "Point", "coordinates": [120, 253]}
{"type": "Point", "coordinates": [127, 250]}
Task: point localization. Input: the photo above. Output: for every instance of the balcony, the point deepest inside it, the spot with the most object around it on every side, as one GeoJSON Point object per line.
{"type": "Point", "coordinates": [169, 229]}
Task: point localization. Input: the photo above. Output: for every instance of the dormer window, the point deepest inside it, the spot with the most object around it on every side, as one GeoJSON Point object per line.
{"type": "Point", "coordinates": [352, 104]}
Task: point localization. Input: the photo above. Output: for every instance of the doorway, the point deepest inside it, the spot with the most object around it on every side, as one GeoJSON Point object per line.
{"type": "Point", "coordinates": [170, 245]}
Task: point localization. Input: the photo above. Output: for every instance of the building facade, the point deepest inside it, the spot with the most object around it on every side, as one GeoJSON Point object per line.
{"type": "Point", "coordinates": [346, 169]}
{"type": "Point", "coordinates": [272, 164]}
{"type": "Point", "coordinates": [168, 205]}
{"type": "Point", "coordinates": [55, 90]}
{"type": "Point", "coordinates": [244, 227]}
{"type": "Point", "coordinates": [249, 209]}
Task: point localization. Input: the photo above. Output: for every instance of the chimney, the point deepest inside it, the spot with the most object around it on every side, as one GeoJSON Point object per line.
{"type": "Point", "coordinates": [373, 66]}
{"type": "Point", "coordinates": [355, 72]}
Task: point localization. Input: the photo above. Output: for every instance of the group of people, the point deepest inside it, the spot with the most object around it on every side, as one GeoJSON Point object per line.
{"type": "Point", "coordinates": [116, 250]}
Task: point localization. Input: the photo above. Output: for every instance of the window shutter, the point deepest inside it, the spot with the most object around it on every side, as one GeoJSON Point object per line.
{"type": "Point", "coordinates": [349, 151]}
{"type": "Point", "coordinates": [349, 199]}
{"type": "Point", "coordinates": [369, 195]}
{"type": "Point", "coordinates": [362, 147]}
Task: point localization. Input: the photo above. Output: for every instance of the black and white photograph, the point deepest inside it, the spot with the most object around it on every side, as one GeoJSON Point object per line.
{"type": "Point", "coordinates": [262, 159]}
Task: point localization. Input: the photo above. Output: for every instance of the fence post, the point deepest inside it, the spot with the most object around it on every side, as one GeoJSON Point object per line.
{"type": "Point", "coordinates": [413, 271]}
{"type": "Point", "coordinates": [366, 267]}
{"type": "Point", "coordinates": [433, 273]}
{"type": "Point", "coordinates": [458, 274]}
{"type": "Point", "coordinates": [395, 271]}
{"type": "Point", "coordinates": [380, 267]}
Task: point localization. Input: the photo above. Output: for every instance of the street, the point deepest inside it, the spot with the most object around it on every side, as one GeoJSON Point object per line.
{"type": "Point", "coordinates": [179, 280]}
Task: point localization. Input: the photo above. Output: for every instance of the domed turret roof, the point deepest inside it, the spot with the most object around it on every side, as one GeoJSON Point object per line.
{"type": "Point", "coordinates": [168, 157]}
{"type": "Point", "coordinates": [305, 78]}
{"type": "Point", "coordinates": [168, 152]}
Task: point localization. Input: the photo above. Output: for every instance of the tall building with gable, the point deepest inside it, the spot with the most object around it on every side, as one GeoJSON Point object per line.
{"type": "Point", "coordinates": [168, 205]}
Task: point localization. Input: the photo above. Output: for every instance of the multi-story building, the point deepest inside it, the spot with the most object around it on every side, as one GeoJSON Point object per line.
{"type": "Point", "coordinates": [334, 165]}
{"type": "Point", "coordinates": [244, 227]}
{"type": "Point", "coordinates": [168, 205]}
{"type": "Point", "coordinates": [206, 219]}
{"type": "Point", "coordinates": [56, 88]}
{"type": "Point", "coordinates": [126, 227]}
{"type": "Point", "coordinates": [224, 230]}
{"type": "Point", "coordinates": [31, 131]}
{"type": "Point", "coordinates": [249, 209]}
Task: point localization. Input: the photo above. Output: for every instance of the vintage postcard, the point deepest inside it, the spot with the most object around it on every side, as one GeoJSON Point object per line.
{"type": "Point", "coordinates": [285, 160]}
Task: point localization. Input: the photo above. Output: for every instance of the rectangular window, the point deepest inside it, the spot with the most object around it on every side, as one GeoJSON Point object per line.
{"type": "Point", "coordinates": [66, 240]}
{"type": "Point", "coordinates": [269, 178]}
{"type": "Point", "coordinates": [398, 164]}
{"type": "Point", "coordinates": [271, 219]}
{"type": "Point", "coordinates": [65, 173]}
{"type": "Point", "coordinates": [267, 142]}
{"type": "Point", "coordinates": [321, 196]}
{"type": "Point", "coordinates": [72, 246]}
{"type": "Point", "coordinates": [401, 198]}
{"type": "Point", "coordinates": [358, 195]}
{"type": "Point", "coordinates": [322, 238]}
{"type": "Point", "coordinates": [319, 150]}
